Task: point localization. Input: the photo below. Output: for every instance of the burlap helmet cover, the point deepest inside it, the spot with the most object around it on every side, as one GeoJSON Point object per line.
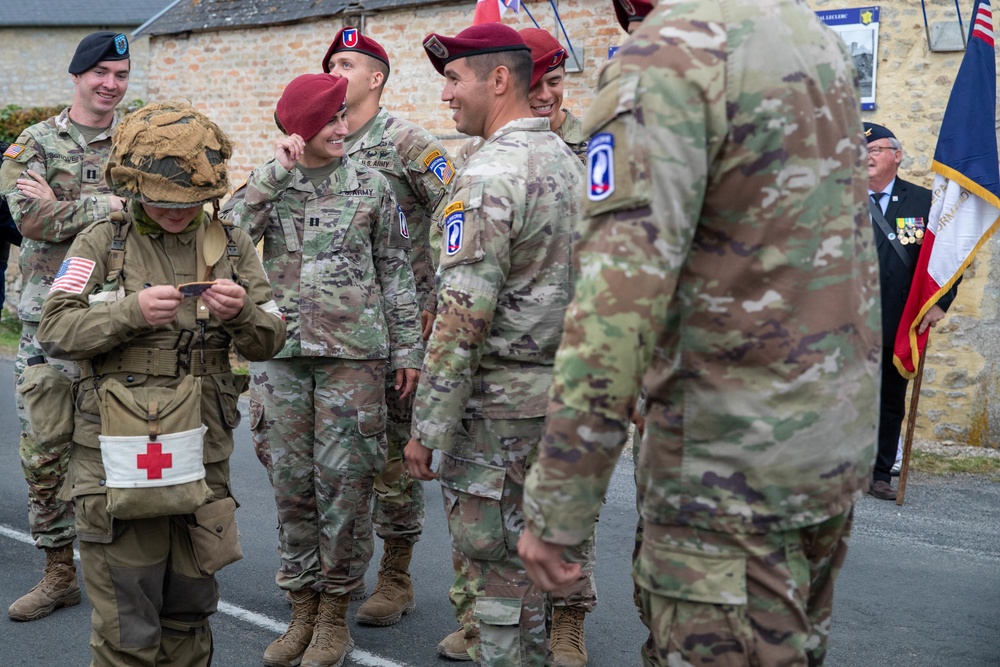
{"type": "Point", "coordinates": [169, 155]}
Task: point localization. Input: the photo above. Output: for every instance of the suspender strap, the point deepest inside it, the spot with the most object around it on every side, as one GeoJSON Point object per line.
{"type": "Point", "coordinates": [890, 235]}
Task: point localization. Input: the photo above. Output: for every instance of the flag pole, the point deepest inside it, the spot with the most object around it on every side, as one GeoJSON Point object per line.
{"type": "Point", "coordinates": [911, 422]}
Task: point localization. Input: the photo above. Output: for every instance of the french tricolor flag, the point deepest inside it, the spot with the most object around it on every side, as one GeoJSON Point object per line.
{"type": "Point", "coordinates": [965, 204]}
{"type": "Point", "coordinates": [490, 11]}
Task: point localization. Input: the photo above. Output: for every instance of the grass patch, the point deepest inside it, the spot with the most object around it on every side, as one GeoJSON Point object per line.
{"type": "Point", "coordinates": [938, 464]}
{"type": "Point", "coordinates": [10, 334]}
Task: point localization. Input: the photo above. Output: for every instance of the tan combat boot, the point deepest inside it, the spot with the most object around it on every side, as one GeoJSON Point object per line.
{"type": "Point", "coordinates": [393, 594]}
{"type": "Point", "coordinates": [58, 588]}
{"type": "Point", "coordinates": [567, 642]}
{"type": "Point", "coordinates": [461, 644]}
{"type": "Point", "coordinates": [286, 650]}
{"type": "Point", "coordinates": [331, 640]}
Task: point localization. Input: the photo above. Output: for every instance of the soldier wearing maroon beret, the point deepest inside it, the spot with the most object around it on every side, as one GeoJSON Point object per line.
{"type": "Point", "coordinates": [335, 248]}
{"type": "Point", "coordinates": [503, 284]}
{"type": "Point", "coordinates": [419, 170]}
{"type": "Point", "coordinates": [630, 13]}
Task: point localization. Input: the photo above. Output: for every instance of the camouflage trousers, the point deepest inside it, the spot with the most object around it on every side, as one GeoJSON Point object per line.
{"type": "Point", "coordinates": [581, 594]}
{"type": "Point", "coordinates": [324, 420]}
{"type": "Point", "coordinates": [482, 481]}
{"type": "Point", "coordinates": [399, 499]}
{"type": "Point", "coordinates": [732, 600]}
{"type": "Point", "coordinates": [151, 601]}
{"type": "Point", "coordinates": [50, 519]}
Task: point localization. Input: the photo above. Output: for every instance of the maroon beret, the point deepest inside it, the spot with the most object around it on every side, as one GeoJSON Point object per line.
{"type": "Point", "coordinates": [473, 41]}
{"type": "Point", "coordinates": [351, 39]}
{"type": "Point", "coordinates": [631, 10]}
{"type": "Point", "coordinates": [546, 52]}
{"type": "Point", "coordinates": [309, 102]}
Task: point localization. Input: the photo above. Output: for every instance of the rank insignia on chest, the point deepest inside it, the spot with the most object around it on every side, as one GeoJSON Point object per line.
{"type": "Point", "coordinates": [454, 228]}
{"type": "Point", "coordinates": [13, 151]}
{"type": "Point", "coordinates": [441, 167]}
{"type": "Point", "coordinates": [404, 231]}
{"type": "Point", "coordinates": [601, 167]}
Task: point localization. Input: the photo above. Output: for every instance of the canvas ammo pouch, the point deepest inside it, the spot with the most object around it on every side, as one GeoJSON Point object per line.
{"type": "Point", "coordinates": [152, 445]}
{"type": "Point", "coordinates": [48, 398]}
{"type": "Point", "coordinates": [214, 536]}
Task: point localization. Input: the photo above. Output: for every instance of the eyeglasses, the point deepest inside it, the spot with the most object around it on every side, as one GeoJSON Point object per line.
{"type": "Point", "coordinates": [875, 151]}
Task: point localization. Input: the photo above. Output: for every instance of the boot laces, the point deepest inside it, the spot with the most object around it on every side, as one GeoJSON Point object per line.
{"type": "Point", "coordinates": [569, 633]}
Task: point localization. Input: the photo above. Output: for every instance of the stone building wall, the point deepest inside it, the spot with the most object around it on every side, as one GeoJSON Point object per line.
{"type": "Point", "coordinates": [33, 69]}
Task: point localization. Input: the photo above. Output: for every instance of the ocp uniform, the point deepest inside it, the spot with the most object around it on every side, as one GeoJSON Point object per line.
{"type": "Point", "coordinates": [337, 257]}
{"type": "Point", "coordinates": [482, 394]}
{"type": "Point", "coordinates": [74, 169]}
{"type": "Point", "coordinates": [419, 171]}
{"type": "Point", "coordinates": [146, 570]}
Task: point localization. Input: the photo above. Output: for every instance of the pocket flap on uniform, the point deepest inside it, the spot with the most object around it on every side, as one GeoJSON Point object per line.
{"type": "Point", "coordinates": [476, 479]}
{"type": "Point", "coordinates": [217, 518]}
{"type": "Point", "coordinates": [371, 419]}
{"type": "Point", "coordinates": [498, 611]}
{"type": "Point", "coordinates": [690, 575]}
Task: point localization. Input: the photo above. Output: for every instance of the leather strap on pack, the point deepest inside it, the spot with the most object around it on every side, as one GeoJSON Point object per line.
{"type": "Point", "coordinates": [120, 222]}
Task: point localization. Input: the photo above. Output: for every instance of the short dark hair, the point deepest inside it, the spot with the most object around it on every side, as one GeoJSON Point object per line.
{"type": "Point", "coordinates": [518, 63]}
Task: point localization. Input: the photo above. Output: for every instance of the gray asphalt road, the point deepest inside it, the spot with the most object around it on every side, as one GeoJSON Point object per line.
{"type": "Point", "coordinates": [919, 587]}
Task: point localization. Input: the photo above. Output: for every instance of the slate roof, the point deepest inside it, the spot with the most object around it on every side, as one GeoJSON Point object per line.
{"type": "Point", "coordinates": [204, 15]}
{"type": "Point", "coordinates": [71, 13]}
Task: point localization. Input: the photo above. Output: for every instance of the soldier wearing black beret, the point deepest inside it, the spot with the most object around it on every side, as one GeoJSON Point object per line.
{"type": "Point", "coordinates": [52, 178]}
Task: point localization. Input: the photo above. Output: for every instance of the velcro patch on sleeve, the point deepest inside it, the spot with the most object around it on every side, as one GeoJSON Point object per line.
{"type": "Point", "coordinates": [454, 228]}
{"type": "Point", "coordinates": [440, 166]}
{"type": "Point", "coordinates": [14, 151]}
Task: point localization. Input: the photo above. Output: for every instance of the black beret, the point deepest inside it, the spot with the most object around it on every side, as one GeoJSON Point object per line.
{"type": "Point", "coordinates": [875, 132]}
{"type": "Point", "coordinates": [96, 47]}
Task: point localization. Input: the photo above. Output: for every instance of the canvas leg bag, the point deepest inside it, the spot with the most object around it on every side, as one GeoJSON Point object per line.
{"type": "Point", "coordinates": [152, 445]}
{"type": "Point", "coordinates": [47, 393]}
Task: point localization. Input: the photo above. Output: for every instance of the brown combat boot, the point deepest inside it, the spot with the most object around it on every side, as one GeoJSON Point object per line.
{"type": "Point", "coordinates": [287, 650]}
{"type": "Point", "coordinates": [567, 642]}
{"type": "Point", "coordinates": [393, 594]}
{"type": "Point", "coordinates": [461, 644]}
{"type": "Point", "coordinates": [331, 640]}
{"type": "Point", "coordinates": [58, 588]}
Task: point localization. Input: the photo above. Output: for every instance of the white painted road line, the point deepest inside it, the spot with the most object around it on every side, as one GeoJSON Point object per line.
{"type": "Point", "coordinates": [357, 656]}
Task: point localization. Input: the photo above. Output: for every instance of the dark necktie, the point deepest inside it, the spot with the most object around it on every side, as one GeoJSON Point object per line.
{"type": "Point", "coordinates": [877, 198]}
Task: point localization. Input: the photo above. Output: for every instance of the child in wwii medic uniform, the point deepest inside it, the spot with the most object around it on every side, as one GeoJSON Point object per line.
{"type": "Point", "coordinates": [156, 401]}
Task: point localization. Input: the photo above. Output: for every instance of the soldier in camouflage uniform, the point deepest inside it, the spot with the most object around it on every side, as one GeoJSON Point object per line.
{"type": "Point", "coordinates": [504, 279]}
{"type": "Point", "coordinates": [419, 171]}
{"type": "Point", "coordinates": [726, 262]}
{"type": "Point", "coordinates": [335, 247]}
{"type": "Point", "coordinates": [120, 314]}
{"type": "Point", "coordinates": [573, 602]}
{"type": "Point", "coordinates": [53, 179]}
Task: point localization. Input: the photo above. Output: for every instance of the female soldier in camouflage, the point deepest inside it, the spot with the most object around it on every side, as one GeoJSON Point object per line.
{"type": "Point", "coordinates": [335, 248]}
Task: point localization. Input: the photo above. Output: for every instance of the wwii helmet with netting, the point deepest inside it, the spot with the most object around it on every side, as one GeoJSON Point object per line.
{"type": "Point", "coordinates": [169, 155]}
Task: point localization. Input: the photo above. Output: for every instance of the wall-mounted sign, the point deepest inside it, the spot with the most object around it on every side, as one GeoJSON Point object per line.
{"type": "Point", "coordinates": [859, 30]}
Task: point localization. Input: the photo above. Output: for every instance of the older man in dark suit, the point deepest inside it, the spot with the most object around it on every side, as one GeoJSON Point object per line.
{"type": "Point", "coordinates": [899, 215]}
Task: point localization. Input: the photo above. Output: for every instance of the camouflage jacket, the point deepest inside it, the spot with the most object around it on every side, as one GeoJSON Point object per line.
{"type": "Point", "coordinates": [726, 262]}
{"type": "Point", "coordinates": [571, 131]}
{"type": "Point", "coordinates": [75, 172]}
{"type": "Point", "coordinates": [503, 284]}
{"type": "Point", "coordinates": [100, 320]}
{"type": "Point", "coordinates": [337, 259]}
{"type": "Point", "coordinates": [419, 171]}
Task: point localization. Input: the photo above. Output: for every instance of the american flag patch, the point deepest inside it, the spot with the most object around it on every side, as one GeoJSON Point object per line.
{"type": "Point", "coordinates": [73, 275]}
{"type": "Point", "coordinates": [13, 151]}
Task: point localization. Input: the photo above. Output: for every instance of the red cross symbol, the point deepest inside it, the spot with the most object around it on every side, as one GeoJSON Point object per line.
{"type": "Point", "coordinates": [154, 461]}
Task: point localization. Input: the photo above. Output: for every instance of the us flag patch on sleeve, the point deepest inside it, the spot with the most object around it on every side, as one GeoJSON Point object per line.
{"type": "Point", "coordinates": [73, 275]}
{"type": "Point", "coordinates": [13, 151]}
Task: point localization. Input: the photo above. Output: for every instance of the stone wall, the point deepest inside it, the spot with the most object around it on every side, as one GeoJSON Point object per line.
{"type": "Point", "coordinates": [33, 69]}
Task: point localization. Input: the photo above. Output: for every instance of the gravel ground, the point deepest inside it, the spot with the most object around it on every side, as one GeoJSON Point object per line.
{"type": "Point", "coordinates": [951, 449]}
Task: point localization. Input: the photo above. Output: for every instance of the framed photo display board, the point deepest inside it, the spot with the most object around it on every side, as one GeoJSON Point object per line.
{"type": "Point", "coordinates": [859, 30]}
